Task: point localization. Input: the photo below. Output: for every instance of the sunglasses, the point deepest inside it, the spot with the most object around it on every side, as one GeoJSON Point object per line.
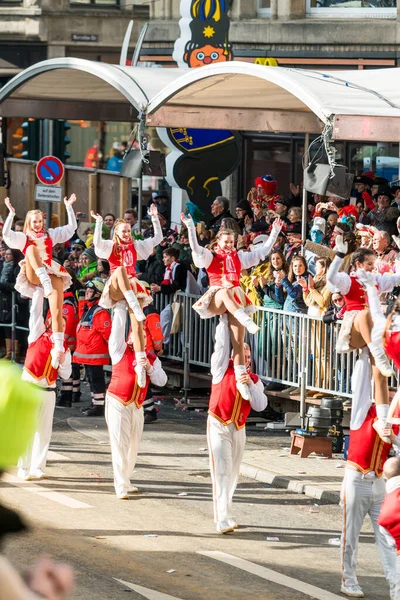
{"type": "Point", "coordinates": [338, 300]}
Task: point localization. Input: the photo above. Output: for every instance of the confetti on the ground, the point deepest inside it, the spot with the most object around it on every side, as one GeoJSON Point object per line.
{"type": "Point", "coordinates": [182, 494]}
{"type": "Point", "coordinates": [340, 466]}
{"type": "Point", "coordinates": [150, 535]}
{"type": "Point", "coordinates": [301, 472]}
{"type": "Point", "coordinates": [272, 539]}
{"type": "Point", "coordinates": [334, 541]}
{"type": "Point", "coordinates": [171, 571]}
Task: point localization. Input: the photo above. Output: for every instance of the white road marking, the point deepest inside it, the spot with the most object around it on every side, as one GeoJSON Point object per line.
{"type": "Point", "coordinates": [43, 492]}
{"type": "Point", "coordinates": [51, 455]}
{"type": "Point", "coordinates": [269, 575]}
{"type": "Point", "coordinates": [147, 592]}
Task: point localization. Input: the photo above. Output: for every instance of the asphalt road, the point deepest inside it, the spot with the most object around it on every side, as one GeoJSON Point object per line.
{"type": "Point", "coordinates": [76, 517]}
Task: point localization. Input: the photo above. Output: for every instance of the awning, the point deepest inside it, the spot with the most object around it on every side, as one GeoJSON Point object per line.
{"type": "Point", "coordinates": [242, 96]}
{"type": "Point", "coordinates": [74, 88]}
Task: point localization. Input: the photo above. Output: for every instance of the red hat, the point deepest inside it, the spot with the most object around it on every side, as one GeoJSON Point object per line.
{"type": "Point", "coordinates": [268, 183]}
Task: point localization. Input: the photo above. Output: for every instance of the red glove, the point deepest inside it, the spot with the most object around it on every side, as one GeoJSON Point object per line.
{"type": "Point", "coordinates": [366, 196]}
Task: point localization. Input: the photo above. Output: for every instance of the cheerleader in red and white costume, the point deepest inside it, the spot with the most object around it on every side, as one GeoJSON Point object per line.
{"type": "Point", "coordinates": [358, 329]}
{"type": "Point", "coordinates": [391, 342]}
{"type": "Point", "coordinates": [38, 268]}
{"type": "Point", "coordinates": [224, 264]}
{"type": "Point", "coordinates": [122, 252]}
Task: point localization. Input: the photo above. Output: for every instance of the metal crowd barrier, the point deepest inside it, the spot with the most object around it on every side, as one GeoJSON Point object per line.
{"type": "Point", "coordinates": [290, 349]}
{"type": "Point", "coordinates": [13, 325]}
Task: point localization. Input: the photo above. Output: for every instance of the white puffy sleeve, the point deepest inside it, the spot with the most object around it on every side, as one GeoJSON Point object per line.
{"type": "Point", "coordinates": [221, 354]}
{"type": "Point", "coordinates": [258, 400]}
{"type": "Point", "coordinates": [145, 247]}
{"type": "Point", "coordinates": [60, 235]}
{"type": "Point", "coordinates": [337, 282]}
{"type": "Point", "coordinates": [202, 257]}
{"type": "Point", "coordinates": [254, 257]}
{"type": "Point", "coordinates": [117, 342]}
{"type": "Point", "coordinates": [102, 248]}
{"type": "Point", "coordinates": [13, 239]}
{"type": "Point", "coordinates": [388, 281]}
{"type": "Point", "coordinates": [157, 374]}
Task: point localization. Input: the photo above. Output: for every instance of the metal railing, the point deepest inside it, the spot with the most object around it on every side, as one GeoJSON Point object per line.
{"type": "Point", "coordinates": [13, 327]}
{"type": "Point", "coordinates": [292, 349]}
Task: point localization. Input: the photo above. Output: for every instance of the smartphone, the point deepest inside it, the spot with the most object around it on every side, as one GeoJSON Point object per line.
{"type": "Point", "coordinates": [353, 201]}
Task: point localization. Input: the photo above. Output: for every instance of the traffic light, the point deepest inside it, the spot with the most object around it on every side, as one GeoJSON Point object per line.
{"type": "Point", "coordinates": [61, 139]}
{"type": "Point", "coordinates": [31, 139]}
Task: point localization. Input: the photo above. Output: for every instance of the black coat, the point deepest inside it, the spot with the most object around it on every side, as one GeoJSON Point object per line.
{"type": "Point", "coordinates": [178, 283]}
{"type": "Point", "coordinates": [6, 289]}
{"type": "Point", "coordinates": [154, 272]}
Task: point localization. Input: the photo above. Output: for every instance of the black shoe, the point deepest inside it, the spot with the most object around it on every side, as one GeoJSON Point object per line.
{"type": "Point", "coordinates": [150, 416]}
{"type": "Point", "coordinates": [94, 411]}
{"type": "Point", "coordinates": [61, 403]}
{"type": "Point", "coordinates": [76, 397]}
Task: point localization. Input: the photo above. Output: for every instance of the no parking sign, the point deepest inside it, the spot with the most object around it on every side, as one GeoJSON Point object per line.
{"type": "Point", "coordinates": [49, 170]}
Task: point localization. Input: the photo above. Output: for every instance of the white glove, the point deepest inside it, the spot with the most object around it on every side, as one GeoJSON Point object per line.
{"type": "Point", "coordinates": [340, 245]}
{"type": "Point", "coordinates": [96, 216]}
{"type": "Point", "coordinates": [188, 221]}
{"type": "Point", "coordinates": [277, 224]}
{"type": "Point", "coordinates": [396, 240]}
{"type": "Point", "coordinates": [366, 278]}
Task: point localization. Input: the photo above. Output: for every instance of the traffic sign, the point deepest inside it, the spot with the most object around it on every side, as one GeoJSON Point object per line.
{"type": "Point", "coordinates": [49, 170]}
{"type": "Point", "coordinates": [48, 193]}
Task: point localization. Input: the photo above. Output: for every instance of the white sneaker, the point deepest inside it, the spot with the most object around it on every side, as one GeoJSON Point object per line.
{"type": "Point", "coordinates": [232, 523]}
{"type": "Point", "coordinates": [123, 496]}
{"type": "Point", "coordinates": [133, 489]}
{"type": "Point", "coordinates": [224, 527]}
{"type": "Point", "coordinates": [243, 390]}
{"type": "Point", "coordinates": [141, 375]}
{"type": "Point", "coordinates": [23, 474]}
{"type": "Point", "coordinates": [39, 474]}
{"type": "Point", "coordinates": [353, 591]}
{"type": "Point", "coordinates": [378, 426]}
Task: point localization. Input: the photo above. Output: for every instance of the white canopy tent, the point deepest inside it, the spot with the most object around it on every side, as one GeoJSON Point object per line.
{"type": "Point", "coordinates": [363, 105]}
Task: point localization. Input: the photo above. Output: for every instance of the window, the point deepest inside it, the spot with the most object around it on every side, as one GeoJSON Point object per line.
{"type": "Point", "coordinates": [379, 9]}
{"type": "Point", "coordinates": [264, 8]}
{"type": "Point", "coordinates": [111, 3]}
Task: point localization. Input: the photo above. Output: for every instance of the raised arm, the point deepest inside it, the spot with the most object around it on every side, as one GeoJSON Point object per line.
{"type": "Point", "coordinates": [103, 248]}
{"type": "Point", "coordinates": [202, 257]}
{"type": "Point", "coordinates": [13, 239]}
{"type": "Point", "coordinates": [338, 281]}
{"type": "Point", "coordinates": [145, 247]}
{"type": "Point", "coordinates": [254, 257]}
{"type": "Point", "coordinates": [220, 356]}
{"type": "Point", "coordinates": [36, 320]}
{"type": "Point", "coordinates": [116, 342]}
{"type": "Point", "coordinates": [157, 374]}
{"type": "Point", "coordinates": [60, 235]}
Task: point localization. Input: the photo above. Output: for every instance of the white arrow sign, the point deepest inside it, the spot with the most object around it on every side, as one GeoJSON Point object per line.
{"type": "Point", "coordinates": [146, 592]}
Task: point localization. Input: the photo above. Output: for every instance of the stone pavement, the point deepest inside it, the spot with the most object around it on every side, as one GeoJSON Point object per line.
{"type": "Point", "coordinates": [317, 477]}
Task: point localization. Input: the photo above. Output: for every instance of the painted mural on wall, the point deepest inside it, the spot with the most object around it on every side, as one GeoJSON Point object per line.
{"type": "Point", "coordinates": [201, 158]}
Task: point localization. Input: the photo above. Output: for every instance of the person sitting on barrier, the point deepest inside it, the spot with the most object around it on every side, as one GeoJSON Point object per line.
{"type": "Point", "coordinates": [122, 253]}
{"type": "Point", "coordinates": [357, 330]}
{"type": "Point", "coordinates": [124, 401]}
{"type": "Point", "coordinates": [224, 264]}
{"type": "Point", "coordinates": [38, 268]}
{"type": "Point", "coordinates": [227, 414]}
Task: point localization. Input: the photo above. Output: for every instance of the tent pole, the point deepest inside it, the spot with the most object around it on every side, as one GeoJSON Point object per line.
{"type": "Point", "coordinates": [303, 324]}
{"type": "Point", "coordinates": [304, 209]}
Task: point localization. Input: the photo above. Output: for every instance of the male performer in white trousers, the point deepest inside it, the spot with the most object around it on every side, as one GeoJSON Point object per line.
{"type": "Point", "coordinates": [226, 422]}
{"type": "Point", "coordinates": [363, 489]}
{"type": "Point", "coordinates": [124, 401]}
{"type": "Point", "coordinates": [39, 371]}
{"type": "Point", "coordinates": [389, 517]}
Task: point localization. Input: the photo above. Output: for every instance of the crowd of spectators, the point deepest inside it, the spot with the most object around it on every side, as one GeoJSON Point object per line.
{"type": "Point", "coordinates": [292, 279]}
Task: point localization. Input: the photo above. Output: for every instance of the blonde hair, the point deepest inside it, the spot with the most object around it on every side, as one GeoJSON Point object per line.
{"type": "Point", "coordinates": [116, 224]}
{"type": "Point", "coordinates": [219, 235]}
{"type": "Point", "coordinates": [29, 215]}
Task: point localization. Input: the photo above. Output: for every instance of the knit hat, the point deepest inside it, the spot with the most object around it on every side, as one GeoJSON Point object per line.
{"type": "Point", "coordinates": [89, 252]}
{"type": "Point", "coordinates": [20, 403]}
{"type": "Point", "coordinates": [245, 205]}
{"type": "Point", "coordinates": [268, 183]}
{"type": "Point", "coordinates": [320, 224]}
{"type": "Point", "coordinates": [293, 228]}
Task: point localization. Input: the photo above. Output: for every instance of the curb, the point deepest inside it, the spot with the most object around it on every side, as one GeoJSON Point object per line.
{"type": "Point", "coordinates": [293, 485]}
